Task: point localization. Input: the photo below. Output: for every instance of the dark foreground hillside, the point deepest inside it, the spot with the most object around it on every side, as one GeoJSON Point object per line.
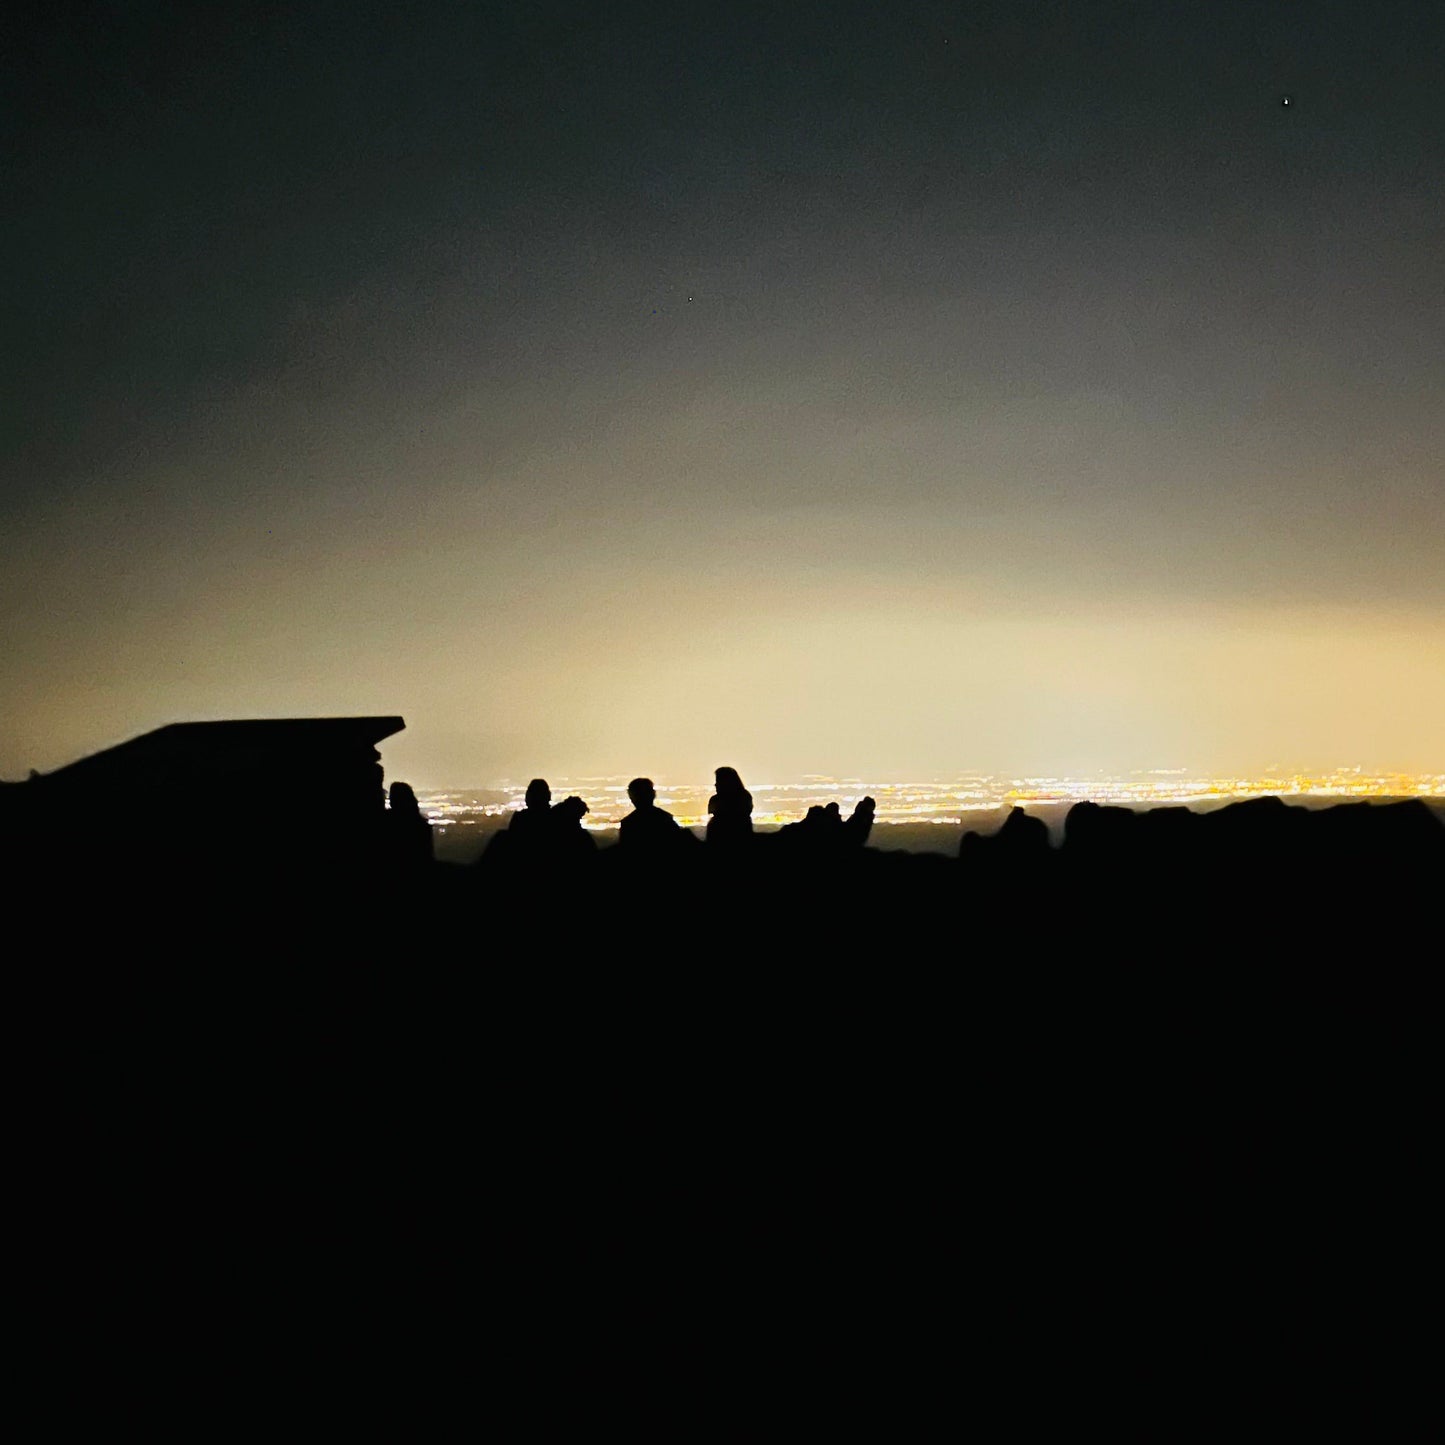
{"type": "Point", "coordinates": [1121, 1130]}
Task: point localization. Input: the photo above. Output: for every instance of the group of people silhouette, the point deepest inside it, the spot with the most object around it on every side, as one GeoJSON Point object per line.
{"type": "Point", "coordinates": [552, 834]}
{"type": "Point", "coordinates": [541, 829]}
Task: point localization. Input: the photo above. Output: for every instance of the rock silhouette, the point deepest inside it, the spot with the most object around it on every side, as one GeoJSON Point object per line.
{"type": "Point", "coordinates": [858, 827]}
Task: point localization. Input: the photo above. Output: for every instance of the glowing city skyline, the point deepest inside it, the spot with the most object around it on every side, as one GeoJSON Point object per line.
{"type": "Point", "coordinates": [947, 802]}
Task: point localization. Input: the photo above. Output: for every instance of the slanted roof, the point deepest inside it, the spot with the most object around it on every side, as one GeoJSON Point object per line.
{"type": "Point", "coordinates": [189, 746]}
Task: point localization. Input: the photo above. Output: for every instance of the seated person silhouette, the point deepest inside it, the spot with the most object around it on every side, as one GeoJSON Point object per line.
{"type": "Point", "coordinates": [649, 830]}
{"type": "Point", "coordinates": [408, 833]}
{"type": "Point", "coordinates": [730, 810]}
{"type": "Point", "coordinates": [530, 825]}
{"type": "Point", "coordinates": [568, 839]}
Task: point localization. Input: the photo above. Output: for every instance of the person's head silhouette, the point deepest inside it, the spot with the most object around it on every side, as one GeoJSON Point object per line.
{"type": "Point", "coordinates": [572, 810]}
{"type": "Point", "coordinates": [728, 781]}
{"type": "Point", "coordinates": [403, 799]}
{"type": "Point", "coordinates": [642, 793]}
{"type": "Point", "coordinates": [538, 795]}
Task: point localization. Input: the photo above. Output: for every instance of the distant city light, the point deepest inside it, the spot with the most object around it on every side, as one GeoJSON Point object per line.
{"type": "Point", "coordinates": [941, 801]}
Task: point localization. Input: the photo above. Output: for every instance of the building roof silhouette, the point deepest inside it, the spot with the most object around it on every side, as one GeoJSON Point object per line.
{"type": "Point", "coordinates": [233, 749]}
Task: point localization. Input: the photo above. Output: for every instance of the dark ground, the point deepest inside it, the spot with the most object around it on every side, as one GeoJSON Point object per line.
{"type": "Point", "coordinates": [1108, 1142]}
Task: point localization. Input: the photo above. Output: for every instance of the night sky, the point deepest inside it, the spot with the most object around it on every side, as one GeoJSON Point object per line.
{"type": "Point", "coordinates": [880, 389]}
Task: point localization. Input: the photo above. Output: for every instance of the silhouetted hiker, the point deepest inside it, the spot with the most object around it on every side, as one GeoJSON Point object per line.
{"type": "Point", "coordinates": [408, 833]}
{"type": "Point", "coordinates": [529, 827]}
{"type": "Point", "coordinates": [730, 809]}
{"type": "Point", "coordinates": [648, 830]}
{"type": "Point", "coordinates": [568, 839]}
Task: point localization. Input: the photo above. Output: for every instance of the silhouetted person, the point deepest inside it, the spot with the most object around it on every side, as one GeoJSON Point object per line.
{"type": "Point", "coordinates": [649, 831]}
{"type": "Point", "coordinates": [568, 839]}
{"type": "Point", "coordinates": [730, 810]}
{"type": "Point", "coordinates": [408, 833]}
{"type": "Point", "coordinates": [529, 828]}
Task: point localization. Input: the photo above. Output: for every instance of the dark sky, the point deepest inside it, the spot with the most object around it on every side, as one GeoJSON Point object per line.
{"type": "Point", "coordinates": [864, 388]}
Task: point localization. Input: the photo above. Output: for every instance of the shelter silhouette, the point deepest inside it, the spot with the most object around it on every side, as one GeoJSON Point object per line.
{"type": "Point", "coordinates": [242, 780]}
{"type": "Point", "coordinates": [336, 755]}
